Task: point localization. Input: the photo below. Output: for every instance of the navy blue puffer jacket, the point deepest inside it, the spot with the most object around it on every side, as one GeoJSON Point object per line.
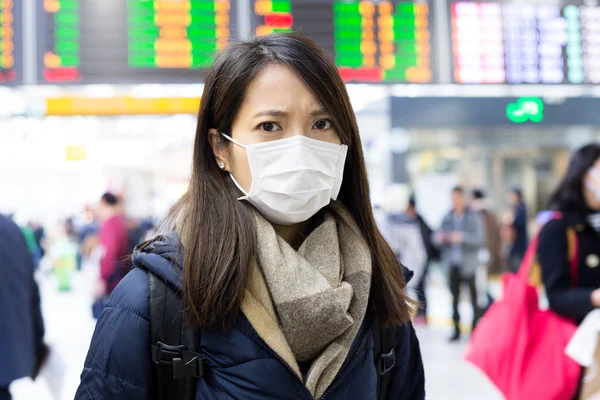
{"type": "Point", "coordinates": [240, 365]}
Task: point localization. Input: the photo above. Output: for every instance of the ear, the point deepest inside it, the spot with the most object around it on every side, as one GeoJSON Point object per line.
{"type": "Point", "coordinates": [218, 147]}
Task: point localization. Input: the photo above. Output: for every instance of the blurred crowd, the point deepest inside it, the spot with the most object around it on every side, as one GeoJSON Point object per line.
{"type": "Point", "coordinates": [472, 242]}
{"type": "Point", "coordinates": [101, 238]}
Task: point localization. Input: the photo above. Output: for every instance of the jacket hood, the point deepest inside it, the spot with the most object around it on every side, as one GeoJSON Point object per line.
{"type": "Point", "coordinates": [163, 256]}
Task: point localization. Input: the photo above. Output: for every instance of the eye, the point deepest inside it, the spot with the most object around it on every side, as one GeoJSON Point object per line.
{"type": "Point", "coordinates": [269, 126]}
{"type": "Point", "coordinates": [322, 124]}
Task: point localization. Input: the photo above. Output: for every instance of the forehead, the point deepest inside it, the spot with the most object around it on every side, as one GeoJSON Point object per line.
{"type": "Point", "coordinates": [277, 87]}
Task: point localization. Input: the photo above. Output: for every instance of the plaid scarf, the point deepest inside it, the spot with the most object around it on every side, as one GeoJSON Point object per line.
{"type": "Point", "coordinates": [308, 305]}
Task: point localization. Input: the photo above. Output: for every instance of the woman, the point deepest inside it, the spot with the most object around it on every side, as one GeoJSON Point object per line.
{"type": "Point", "coordinates": [578, 199]}
{"type": "Point", "coordinates": [518, 229]}
{"type": "Point", "coordinates": [284, 282]}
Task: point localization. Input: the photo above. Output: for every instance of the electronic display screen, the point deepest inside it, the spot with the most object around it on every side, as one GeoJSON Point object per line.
{"type": "Point", "coordinates": [525, 42]}
{"type": "Point", "coordinates": [11, 42]}
{"type": "Point", "coordinates": [130, 41]}
{"type": "Point", "coordinates": [370, 41]}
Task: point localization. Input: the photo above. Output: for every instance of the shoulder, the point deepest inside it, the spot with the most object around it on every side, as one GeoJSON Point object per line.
{"type": "Point", "coordinates": [474, 217]}
{"type": "Point", "coordinates": [131, 294]}
{"type": "Point", "coordinates": [552, 237]}
{"type": "Point", "coordinates": [473, 214]}
{"type": "Point", "coordinates": [8, 228]}
{"type": "Point", "coordinates": [118, 361]}
{"type": "Point", "coordinates": [553, 228]}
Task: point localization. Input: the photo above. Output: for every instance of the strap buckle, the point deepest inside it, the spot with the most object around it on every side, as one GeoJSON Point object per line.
{"type": "Point", "coordinates": [386, 362]}
{"type": "Point", "coordinates": [166, 354]}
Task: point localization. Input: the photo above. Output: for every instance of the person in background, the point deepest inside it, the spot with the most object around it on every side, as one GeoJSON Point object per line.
{"type": "Point", "coordinates": [461, 238]}
{"type": "Point", "coordinates": [578, 199]}
{"type": "Point", "coordinates": [492, 252]}
{"type": "Point", "coordinates": [32, 244]}
{"type": "Point", "coordinates": [40, 235]}
{"type": "Point", "coordinates": [22, 350]}
{"type": "Point", "coordinates": [433, 253]}
{"type": "Point", "coordinates": [403, 233]}
{"type": "Point", "coordinates": [87, 236]}
{"type": "Point", "coordinates": [518, 229]}
{"type": "Point", "coordinates": [114, 241]}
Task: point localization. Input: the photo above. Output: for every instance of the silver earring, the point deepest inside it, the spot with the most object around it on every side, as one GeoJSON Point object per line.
{"type": "Point", "coordinates": [222, 165]}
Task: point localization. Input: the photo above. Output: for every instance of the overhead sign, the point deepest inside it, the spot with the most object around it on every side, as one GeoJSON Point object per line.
{"type": "Point", "coordinates": [525, 109]}
{"type": "Point", "coordinates": [448, 112]}
{"type": "Point", "coordinates": [121, 105]}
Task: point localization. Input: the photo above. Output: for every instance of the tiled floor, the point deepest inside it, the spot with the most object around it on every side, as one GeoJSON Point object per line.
{"type": "Point", "coordinates": [448, 377]}
{"type": "Point", "coordinates": [69, 329]}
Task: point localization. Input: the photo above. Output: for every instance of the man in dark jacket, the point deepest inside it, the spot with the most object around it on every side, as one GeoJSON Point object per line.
{"type": "Point", "coordinates": [239, 364]}
{"type": "Point", "coordinates": [21, 324]}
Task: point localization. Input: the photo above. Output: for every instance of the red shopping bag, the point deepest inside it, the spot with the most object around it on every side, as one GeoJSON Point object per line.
{"type": "Point", "coordinates": [522, 348]}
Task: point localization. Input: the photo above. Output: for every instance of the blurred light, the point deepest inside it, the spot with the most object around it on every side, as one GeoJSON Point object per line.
{"type": "Point", "coordinates": [399, 140]}
{"type": "Point", "coordinates": [413, 90]}
{"type": "Point", "coordinates": [12, 103]}
{"type": "Point", "coordinates": [102, 91]}
{"type": "Point", "coordinates": [75, 153]}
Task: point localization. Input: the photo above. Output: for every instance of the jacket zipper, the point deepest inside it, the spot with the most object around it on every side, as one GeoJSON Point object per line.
{"type": "Point", "coordinates": [336, 380]}
{"type": "Point", "coordinates": [269, 350]}
{"type": "Point", "coordinates": [343, 373]}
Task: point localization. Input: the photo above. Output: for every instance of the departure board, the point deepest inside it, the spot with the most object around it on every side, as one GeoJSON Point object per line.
{"type": "Point", "coordinates": [11, 35]}
{"type": "Point", "coordinates": [525, 43]}
{"type": "Point", "coordinates": [130, 41]}
{"type": "Point", "coordinates": [370, 41]}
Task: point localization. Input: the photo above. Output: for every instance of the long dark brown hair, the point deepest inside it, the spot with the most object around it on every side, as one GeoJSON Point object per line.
{"type": "Point", "coordinates": [217, 230]}
{"type": "Point", "coordinates": [569, 195]}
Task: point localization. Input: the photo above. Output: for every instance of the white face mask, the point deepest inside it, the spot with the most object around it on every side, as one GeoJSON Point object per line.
{"type": "Point", "coordinates": [293, 179]}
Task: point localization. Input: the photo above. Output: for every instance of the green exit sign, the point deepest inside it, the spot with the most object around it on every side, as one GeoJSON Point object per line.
{"type": "Point", "coordinates": [526, 109]}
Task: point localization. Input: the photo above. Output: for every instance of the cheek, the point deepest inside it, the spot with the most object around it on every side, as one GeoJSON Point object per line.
{"type": "Point", "coordinates": [333, 137]}
{"type": "Point", "coordinates": [239, 167]}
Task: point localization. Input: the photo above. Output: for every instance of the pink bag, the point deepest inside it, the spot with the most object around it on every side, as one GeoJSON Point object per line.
{"type": "Point", "coordinates": [522, 348]}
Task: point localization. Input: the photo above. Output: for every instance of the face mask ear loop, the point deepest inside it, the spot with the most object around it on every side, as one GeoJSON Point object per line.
{"type": "Point", "coordinates": [239, 187]}
{"type": "Point", "coordinates": [232, 140]}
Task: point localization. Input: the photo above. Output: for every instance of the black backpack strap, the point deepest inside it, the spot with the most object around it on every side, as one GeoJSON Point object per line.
{"type": "Point", "coordinates": [385, 357]}
{"type": "Point", "coordinates": [174, 347]}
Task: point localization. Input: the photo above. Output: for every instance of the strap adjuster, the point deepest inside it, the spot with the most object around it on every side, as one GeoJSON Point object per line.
{"type": "Point", "coordinates": [193, 368]}
{"type": "Point", "coordinates": [386, 362]}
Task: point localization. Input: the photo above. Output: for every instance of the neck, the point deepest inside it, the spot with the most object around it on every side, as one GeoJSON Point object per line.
{"type": "Point", "coordinates": [294, 234]}
{"type": "Point", "coordinates": [459, 210]}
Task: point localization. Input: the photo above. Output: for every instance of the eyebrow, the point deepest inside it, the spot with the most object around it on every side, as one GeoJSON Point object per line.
{"type": "Point", "coordinates": [281, 113]}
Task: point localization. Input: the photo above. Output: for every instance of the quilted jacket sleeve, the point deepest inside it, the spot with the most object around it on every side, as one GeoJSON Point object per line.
{"type": "Point", "coordinates": [408, 377]}
{"type": "Point", "coordinates": [118, 362]}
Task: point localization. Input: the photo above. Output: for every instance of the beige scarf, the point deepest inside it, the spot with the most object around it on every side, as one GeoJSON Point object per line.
{"type": "Point", "coordinates": [308, 305]}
